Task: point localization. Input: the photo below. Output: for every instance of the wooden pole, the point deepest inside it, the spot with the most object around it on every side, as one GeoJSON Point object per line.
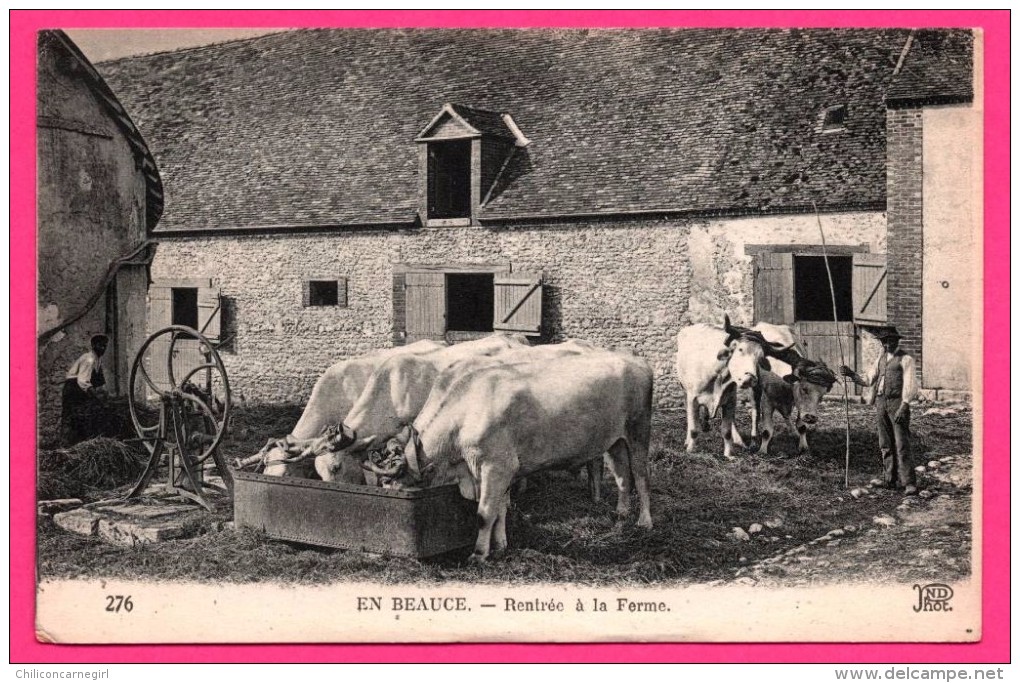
{"type": "Point", "coordinates": [839, 343]}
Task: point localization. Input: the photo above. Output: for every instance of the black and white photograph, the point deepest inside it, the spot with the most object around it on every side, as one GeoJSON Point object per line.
{"type": "Point", "coordinates": [501, 335]}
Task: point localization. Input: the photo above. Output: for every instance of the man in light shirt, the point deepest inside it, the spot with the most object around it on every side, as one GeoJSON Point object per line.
{"type": "Point", "coordinates": [894, 380]}
{"type": "Point", "coordinates": [83, 393]}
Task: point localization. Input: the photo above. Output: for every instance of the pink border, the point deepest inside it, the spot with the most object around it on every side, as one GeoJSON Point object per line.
{"type": "Point", "coordinates": [994, 647]}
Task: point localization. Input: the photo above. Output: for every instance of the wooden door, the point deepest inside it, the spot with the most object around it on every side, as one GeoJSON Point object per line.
{"type": "Point", "coordinates": [832, 343]}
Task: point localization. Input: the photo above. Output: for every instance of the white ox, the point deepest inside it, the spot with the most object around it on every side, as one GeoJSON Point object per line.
{"type": "Point", "coordinates": [333, 395]}
{"type": "Point", "coordinates": [396, 392]}
{"type": "Point", "coordinates": [514, 356]}
{"type": "Point", "coordinates": [792, 382]}
{"type": "Point", "coordinates": [712, 364]}
{"type": "Point", "coordinates": [500, 423]}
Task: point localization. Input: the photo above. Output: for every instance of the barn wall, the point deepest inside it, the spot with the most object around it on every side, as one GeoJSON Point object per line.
{"type": "Point", "coordinates": [91, 203]}
{"type": "Point", "coordinates": [952, 239]}
{"type": "Point", "coordinates": [721, 265]}
{"type": "Point", "coordinates": [627, 285]}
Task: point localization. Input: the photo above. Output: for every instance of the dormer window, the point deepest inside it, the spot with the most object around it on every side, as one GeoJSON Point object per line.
{"type": "Point", "coordinates": [461, 154]}
{"type": "Point", "coordinates": [449, 179]}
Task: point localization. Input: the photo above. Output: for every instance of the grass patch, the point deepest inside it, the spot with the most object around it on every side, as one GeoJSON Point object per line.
{"type": "Point", "coordinates": [556, 533]}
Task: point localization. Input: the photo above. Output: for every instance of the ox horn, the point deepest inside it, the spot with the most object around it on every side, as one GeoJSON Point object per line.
{"type": "Point", "coordinates": [731, 334]}
{"type": "Point", "coordinates": [388, 472]}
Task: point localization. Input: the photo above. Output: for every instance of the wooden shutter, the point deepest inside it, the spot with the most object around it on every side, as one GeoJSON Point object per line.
{"type": "Point", "coordinates": [517, 303]}
{"type": "Point", "coordinates": [160, 316]}
{"type": "Point", "coordinates": [341, 292]}
{"type": "Point", "coordinates": [869, 288]}
{"type": "Point", "coordinates": [773, 288]}
{"type": "Point", "coordinates": [209, 313]}
{"type": "Point", "coordinates": [425, 300]}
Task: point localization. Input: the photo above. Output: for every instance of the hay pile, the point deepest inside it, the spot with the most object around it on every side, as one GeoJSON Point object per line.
{"type": "Point", "coordinates": [99, 464]}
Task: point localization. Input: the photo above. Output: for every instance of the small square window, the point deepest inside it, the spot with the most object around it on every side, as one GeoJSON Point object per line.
{"type": "Point", "coordinates": [326, 292]}
{"type": "Point", "coordinates": [834, 119]}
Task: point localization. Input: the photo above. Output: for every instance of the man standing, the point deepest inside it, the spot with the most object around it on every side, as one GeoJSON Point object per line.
{"type": "Point", "coordinates": [894, 380]}
{"type": "Point", "coordinates": [83, 393]}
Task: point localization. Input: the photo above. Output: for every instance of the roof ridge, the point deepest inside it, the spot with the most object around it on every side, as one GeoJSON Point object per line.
{"type": "Point", "coordinates": [198, 48]}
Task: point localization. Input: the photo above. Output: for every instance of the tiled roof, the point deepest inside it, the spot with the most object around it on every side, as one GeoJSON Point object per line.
{"type": "Point", "coordinates": [317, 127]}
{"type": "Point", "coordinates": [936, 69]}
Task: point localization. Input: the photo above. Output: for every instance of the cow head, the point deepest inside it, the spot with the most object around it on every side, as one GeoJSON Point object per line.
{"type": "Point", "coordinates": [745, 352]}
{"type": "Point", "coordinates": [811, 381]}
{"type": "Point", "coordinates": [400, 463]}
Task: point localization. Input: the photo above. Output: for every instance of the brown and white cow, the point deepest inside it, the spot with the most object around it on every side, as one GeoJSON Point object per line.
{"type": "Point", "coordinates": [333, 395]}
{"type": "Point", "coordinates": [793, 382]}
{"type": "Point", "coordinates": [712, 364]}
{"type": "Point", "coordinates": [783, 389]}
{"type": "Point", "coordinates": [500, 423]}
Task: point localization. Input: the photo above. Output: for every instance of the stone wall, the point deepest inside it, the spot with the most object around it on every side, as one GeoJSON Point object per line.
{"type": "Point", "coordinates": [625, 284]}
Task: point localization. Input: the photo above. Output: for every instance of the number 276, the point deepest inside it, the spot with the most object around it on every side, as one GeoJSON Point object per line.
{"type": "Point", "coordinates": [116, 603]}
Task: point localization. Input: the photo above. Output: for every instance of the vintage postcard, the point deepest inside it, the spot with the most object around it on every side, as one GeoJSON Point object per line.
{"type": "Point", "coordinates": [532, 334]}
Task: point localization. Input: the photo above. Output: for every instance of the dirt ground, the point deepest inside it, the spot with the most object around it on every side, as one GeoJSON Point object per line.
{"type": "Point", "coordinates": [780, 519]}
{"type": "Point", "coordinates": [931, 541]}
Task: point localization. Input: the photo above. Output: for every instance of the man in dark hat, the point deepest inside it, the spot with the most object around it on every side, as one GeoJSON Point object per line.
{"type": "Point", "coordinates": [894, 381]}
{"type": "Point", "coordinates": [82, 399]}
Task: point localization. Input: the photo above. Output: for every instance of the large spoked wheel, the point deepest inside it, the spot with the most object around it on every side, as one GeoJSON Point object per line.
{"type": "Point", "coordinates": [180, 405]}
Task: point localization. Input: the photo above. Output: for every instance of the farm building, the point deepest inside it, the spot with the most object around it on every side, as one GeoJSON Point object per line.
{"type": "Point", "coordinates": [330, 192]}
{"type": "Point", "coordinates": [99, 195]}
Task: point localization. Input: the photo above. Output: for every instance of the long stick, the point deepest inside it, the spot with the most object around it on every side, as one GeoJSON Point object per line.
{"type": "Point", "coordinates": [839, 342]}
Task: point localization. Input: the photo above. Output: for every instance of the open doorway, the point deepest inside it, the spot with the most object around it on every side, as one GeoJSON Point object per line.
{"type": "Point", "coordinates": [469, 302]}
{"type": "Point", "coordinates": [812, 295]}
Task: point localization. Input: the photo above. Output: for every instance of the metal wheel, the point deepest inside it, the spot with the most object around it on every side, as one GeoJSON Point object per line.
{"type": "Point", "coordinates": [180, 404]}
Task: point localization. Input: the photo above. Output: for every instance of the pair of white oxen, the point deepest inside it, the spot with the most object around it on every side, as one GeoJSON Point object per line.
{"type": "Point", "coordinates": [480, 414]}
{"type": "Point", "coordinates": [712, 364]}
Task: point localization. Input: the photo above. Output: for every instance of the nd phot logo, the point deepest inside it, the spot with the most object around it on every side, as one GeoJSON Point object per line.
{"type": "Point", "coordinates": [933, 597]}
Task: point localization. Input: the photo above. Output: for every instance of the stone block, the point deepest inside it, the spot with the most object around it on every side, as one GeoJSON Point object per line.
{"type": "Point", "coordinates": [49, 507]}
{"type": "Point", "coordinates": [143, 511]}
{"type": "Point", "coordinates": [130, 534]}
{"type": "Point", "coordinates": [81, 521]}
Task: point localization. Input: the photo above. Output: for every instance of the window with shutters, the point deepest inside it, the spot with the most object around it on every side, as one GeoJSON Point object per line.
{"type": "Point", "coordinates": [791, 287]}
{"type": "Point", "coordinates": [456, 303]}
